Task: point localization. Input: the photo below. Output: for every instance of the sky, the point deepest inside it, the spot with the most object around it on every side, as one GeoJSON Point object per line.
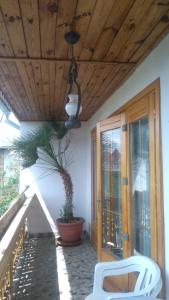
{"type": "Point", "coordinates": [7, 132]}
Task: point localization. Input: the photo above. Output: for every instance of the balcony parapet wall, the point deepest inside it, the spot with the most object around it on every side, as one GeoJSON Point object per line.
{"type": "Point", "coordinates": [8, 216]}
{"type": "Point", "coordinates": [11, 246]}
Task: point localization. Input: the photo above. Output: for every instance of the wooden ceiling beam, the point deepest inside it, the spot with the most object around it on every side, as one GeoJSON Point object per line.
{"type": "Point", "coordinates": [95, 62]}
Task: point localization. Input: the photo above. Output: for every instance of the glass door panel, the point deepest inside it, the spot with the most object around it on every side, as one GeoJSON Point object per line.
{"type": "Point", "coordinates": [111, 192]}
{"type": "Point", "coordinates": [129, 195]}
{"type": "Point", "coordinates": [140, 195]}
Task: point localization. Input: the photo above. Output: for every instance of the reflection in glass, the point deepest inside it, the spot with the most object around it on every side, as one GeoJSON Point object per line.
{"type": "Point", "coordinates": [111, 192]}
{"type": "Point", "coordinates": [139, 160]}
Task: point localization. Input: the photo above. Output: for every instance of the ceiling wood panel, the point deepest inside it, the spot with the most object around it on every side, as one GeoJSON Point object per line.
{"type": "Point", "coordinates": [47, 27]}
{"type": "Point", "coordinates": [82, 21]}
{"type": "Point", "coordinates": [30, 18]}
{"type": "Point", "coordinates": [132, 22]}
{"type": "Point", "coordinates": [98, 20]}
{"type": "Point", "coordinates": [116, 81]}
{"type": "Point", "coordinates": [21, 94]}
{"type": "Point", "coordinates": [96, 77]}
{"type": "Point", "coordinates": [101, 77]}
{"type": "Point", "coordinates": [116, 18]}
{"type": "Point", "coordinates": [31, 82]}
{"type": "Point", "coordinates": [87, 77]}
{"type": "Point", "coordinates": [66, 11]}
{"type": "Point", "coordinates": [58, 102]}
{"type": "Point", "coordinates": [153, 39]}
{"type": "Point", "coordinates": [61, 100]}
{"type": "Point", "coordinates": [144, 30]}
{"type": "Point", "coordinates": [99, 90]}
{"type": "Point", "coordinates": [13, 21]}
{"type": "Point", "coordinates": [38, 93]}
{"type": "Point", "coordinates": [32, 98]}
{"type": "Point", "coordinates": [52, 74]}
{"type": "Point", "coordinates": [115, 36]}
{"type": "Point", "coordinates": [9, 81]}
{"type": "Point", "coordinates": [45, 87]}
{"type": "Point", "coordinates": [8, 93]}
{"type": "Point", "coordinates": [5, 45]}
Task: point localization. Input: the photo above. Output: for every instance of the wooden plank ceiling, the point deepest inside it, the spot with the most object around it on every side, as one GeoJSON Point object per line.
{"type": "Point", "coordinates": [115, 36]}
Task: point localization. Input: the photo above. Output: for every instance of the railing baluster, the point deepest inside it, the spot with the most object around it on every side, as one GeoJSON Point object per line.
{"type": "Point", "coordinates": [11, 247]}
{"type": "Point", "coordinates": [6, 289]}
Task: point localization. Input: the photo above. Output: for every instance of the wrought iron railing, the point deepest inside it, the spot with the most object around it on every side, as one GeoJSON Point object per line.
{"type": "Point", "coordinates": [11, 246]}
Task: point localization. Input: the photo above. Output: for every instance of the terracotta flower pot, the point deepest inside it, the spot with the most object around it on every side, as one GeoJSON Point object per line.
{"type": "Point", "coordinates": [70, 232]}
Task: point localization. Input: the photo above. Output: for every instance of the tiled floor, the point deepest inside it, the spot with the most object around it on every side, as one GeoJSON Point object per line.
{"type": "Point", "coordinates": [46, 272]}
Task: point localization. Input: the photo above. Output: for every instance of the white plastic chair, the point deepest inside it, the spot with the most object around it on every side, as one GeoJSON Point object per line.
{"type": "Point", "coordinates": [148, 282]}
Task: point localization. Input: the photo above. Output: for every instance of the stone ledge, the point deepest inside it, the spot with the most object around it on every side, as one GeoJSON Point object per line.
{"type": "Point", "coordinates": [7, 217]}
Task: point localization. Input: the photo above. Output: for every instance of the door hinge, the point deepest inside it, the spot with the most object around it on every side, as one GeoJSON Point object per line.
{"type": "Point", "coordinates": [124, 181]}
{"type": "Point", "coordinates": [126, 236]}
{"type": "Point", "coordinates": [124, 127]}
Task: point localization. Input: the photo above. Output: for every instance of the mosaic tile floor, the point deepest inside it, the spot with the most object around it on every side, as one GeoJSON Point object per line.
{"type": "Point", "coordinates": [46, 272]}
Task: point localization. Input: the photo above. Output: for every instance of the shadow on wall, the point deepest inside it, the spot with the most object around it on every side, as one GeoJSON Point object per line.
{"type": "Point", "coordinates": [47, 186]}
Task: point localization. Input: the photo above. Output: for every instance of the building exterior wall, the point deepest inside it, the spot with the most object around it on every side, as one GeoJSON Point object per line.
{"type": "Point", "coordinates": [49, 187]}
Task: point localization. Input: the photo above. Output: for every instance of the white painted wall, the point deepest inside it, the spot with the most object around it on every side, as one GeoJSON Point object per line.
{"type": "Point", "coordinates": [50, 188]}
{"type": "Point", "coordinates": [155, 66]}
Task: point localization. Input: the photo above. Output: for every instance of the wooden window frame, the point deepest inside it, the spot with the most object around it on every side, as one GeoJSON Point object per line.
{"type": "Point", "coordinates": [157, 215]}
{"type": "Point", "coordinates": [154, 87]}
{"type": "Point", "coordinates": [93, 139]}
{"type": "Point", "coordinates": [158, 242]}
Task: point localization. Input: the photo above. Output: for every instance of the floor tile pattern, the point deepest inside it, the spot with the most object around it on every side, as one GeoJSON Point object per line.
{"type": "Point", "coordinates": [47, 272]}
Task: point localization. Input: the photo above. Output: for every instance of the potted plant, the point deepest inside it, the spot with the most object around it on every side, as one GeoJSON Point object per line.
{"type": "Point", "coordinates": [47, 147]}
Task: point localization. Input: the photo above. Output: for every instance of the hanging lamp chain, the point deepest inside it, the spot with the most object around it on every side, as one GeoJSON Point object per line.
{"type": "Point", "coordinates": [72, 79]}
{"type": "Point", "coordinates": [73, 86]}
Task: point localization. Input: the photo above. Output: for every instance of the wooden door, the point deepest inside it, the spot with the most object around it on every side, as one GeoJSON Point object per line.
{"type": "Point", "coordinates": [144, 182]}
{"type": "Point", "coordinates": [93, 189]}
{"type": "Point", "coordinates": [129, 193]}
{"type": "Point", "coordinates": [143, 169]}
{"type": "Point", "coordinates": [111, 195]}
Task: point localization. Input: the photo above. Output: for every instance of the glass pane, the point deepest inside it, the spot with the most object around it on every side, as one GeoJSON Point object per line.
{"type": "Point", "coordinates": [139, 160]}
{"type": "Point", "coordinates": [94, 183]}
{"type": "Point", "coordinates": [111, 192]}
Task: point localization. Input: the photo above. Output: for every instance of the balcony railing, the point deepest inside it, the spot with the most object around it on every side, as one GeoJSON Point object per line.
{"type": "Point", "coordinates": [7, 217]}
{"type": "Point", "coordinates": [11, 246]}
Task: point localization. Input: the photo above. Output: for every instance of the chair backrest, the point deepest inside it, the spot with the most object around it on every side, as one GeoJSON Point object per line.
{"type": "Point", "coordinates": [149, 277]}
{"type": "Point", "coordinates": [148, 282]}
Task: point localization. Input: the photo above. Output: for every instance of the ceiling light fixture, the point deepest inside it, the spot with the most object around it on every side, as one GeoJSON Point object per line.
{"type": "Point", "coordinates": [73, 106]}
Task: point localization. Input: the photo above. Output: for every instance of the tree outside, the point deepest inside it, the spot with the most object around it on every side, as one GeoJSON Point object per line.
{"type": "Point", "coordinates": [9, 181]}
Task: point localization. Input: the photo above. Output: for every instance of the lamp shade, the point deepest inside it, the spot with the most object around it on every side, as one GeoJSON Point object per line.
{"type": "Point", "coordinates": [71, 106]}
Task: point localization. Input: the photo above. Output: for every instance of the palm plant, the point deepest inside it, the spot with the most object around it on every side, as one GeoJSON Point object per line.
{"type": "Point", "coordinates": [46, 148]}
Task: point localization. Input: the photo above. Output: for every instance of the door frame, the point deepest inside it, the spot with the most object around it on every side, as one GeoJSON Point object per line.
{"type": "Point", "coordinates": [94, 226]}
{"type": "Point", "coordinates": [154, 87]}
{"type": "Point", "coordinates": [120, 283]}
{"type": "Point", "coordinates": [111, 123]}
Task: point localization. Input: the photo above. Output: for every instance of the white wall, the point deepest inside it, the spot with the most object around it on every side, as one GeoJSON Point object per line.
{"type": "Point", "coordinates": [50, 188]}
{"type": "Point", "coordinates": [156, 65]}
